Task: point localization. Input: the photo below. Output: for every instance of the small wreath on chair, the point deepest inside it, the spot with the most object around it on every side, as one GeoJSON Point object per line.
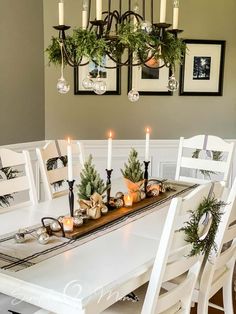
{"type": "Point", "coordinates": [7, 173]}
{"type": "Point", "coordinates": [201, 229]}
{"type": "Point", "coordinates": [213, 155]}
{"type": "Point", "coordinates": [55, 163]}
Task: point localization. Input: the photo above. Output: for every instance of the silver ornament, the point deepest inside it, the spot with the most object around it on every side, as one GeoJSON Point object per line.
{"type": "Point", "coordinates": [119, 203]}
{"type": "Point", "coordinates": [20, 237]}
{"type": "Point", "coordinates": [154, 192]}
{"type": "Point", "coordinates": [60, 219]}
{"type": "Point", "coordinates": [77, 221]}
{"type": "Point", "coordinates": [119, 195]}
{"type": "Point", "coordinates": [55, 226]}
{"type": "Point", "coordinates": [104, 209]}
{"type": "Point", "coordinates": [43, 238]}
{"type": "Point", "coordinates": [78, 213]}
{"type": "Point", "coordinates": [41, 230]}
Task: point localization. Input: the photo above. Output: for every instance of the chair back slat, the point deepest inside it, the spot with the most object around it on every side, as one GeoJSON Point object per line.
{"type": "Point", "coordinates": [61, 174]}
{"type": "Point", "coordinates": [197, 165]}
{"type": "Point", "coordinates": [225, 257]}
{"type": "Point", "coordinates": [14, 185]}
{"type": "Point", "coordinates": [10, 158]}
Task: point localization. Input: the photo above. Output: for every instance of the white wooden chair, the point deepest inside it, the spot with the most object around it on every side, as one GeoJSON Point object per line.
{"type": "Point", "coordinates": [23, 182]}
{"type": "Point", "coordinates": [218, 272]}
{"type": "Point", "coordinates": [56, 149]}
{"type": "Point", "coordinates": [171, 261]}
{"type": "Point", "coordinates": [207, 143]}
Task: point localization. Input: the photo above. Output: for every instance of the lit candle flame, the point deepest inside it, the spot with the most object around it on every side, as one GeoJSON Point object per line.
{"type": "Point", "coordinates": [147, 130]}
{"type": "Point", "coordinates": [110, 134]}
{"type": "Point", "coordinates": [68, 140]}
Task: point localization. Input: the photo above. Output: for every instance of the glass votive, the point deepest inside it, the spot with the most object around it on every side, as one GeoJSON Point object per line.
{"type": "Point", "coordinates": [128, 200]}
{"type": "Point", "coordinates": [68, 223]}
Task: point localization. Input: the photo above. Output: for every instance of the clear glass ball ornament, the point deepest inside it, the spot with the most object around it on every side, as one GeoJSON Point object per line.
{"type": "Point", "coordinates": [146, 26]}
{"type": "Point", "coordinates": [133, 95]}
{"type": "Point", "coordinates": [99, 87]}
{"type": "Point", "coordinates": [173, 84]}
{"type": "Point", "coordinates": [62, 86]}
{"type": "Point", "coordinates": [88, 82]}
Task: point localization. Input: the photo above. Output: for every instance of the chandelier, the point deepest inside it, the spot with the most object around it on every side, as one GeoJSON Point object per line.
{"type": "Point", "coordinates": [124, 36]}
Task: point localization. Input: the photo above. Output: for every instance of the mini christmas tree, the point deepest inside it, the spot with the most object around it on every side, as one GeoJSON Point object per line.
{"type": "Point", "coordinates": [133, 170]}
{"type": "Point", "coordinates": [91, 181]}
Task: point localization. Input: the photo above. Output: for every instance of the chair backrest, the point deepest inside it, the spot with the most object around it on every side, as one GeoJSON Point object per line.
{"type": "Point", "coordinates": [11, 183]}
{"type": "Point", "coordinates": [223, 260]}
{"type": "Point", "coordinates": [212, 146]}
{"type": "Point", "coordinates": [53, 176]}
{"type": "Point", "coordinates": [172, 258]}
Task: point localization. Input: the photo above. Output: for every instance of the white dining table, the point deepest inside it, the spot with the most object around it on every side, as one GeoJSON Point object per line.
{"type": "Point", "coordinates": [89, 277]}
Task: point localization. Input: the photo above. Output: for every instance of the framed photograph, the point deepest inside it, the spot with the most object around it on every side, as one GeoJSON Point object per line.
{"type": "Point", "coordinates": [202, 70]}
{"type": "Point", "coordinates": [111, 76]}
{"type": "Point", "coordinates": [149, 81]}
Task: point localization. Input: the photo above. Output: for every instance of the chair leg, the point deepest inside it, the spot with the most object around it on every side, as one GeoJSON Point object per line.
{"type": "Point", "coordinates": [202, 305]}
{"type": "Point", "coordinates": [227, 296]}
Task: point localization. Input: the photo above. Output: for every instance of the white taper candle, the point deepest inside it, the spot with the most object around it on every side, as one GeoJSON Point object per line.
{"type": "Point", "coordinates": [176, 14]}
{"type": "Point", "coordinates": [69, 160]}
{"type": "Point", "coordinates": [109, 151]}
{"type": "Point", "coordinates": [85, 14]}
{"type": "Point", "coordinates": [61, 12]}
{"type": "Point", "coordinates": [99, 10]}
{"type": "Point", "coordinates": [163, 11]}
{"type": "Point", "coordinates": [147, 144]}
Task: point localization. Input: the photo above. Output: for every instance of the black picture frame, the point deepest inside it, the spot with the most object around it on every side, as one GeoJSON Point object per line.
{"type": "Point", "coordinates": [163, 91]}
{"type": "Point", "coordinates": [202, 70]}
{"type": "Point", "coordinates": [113, 73]}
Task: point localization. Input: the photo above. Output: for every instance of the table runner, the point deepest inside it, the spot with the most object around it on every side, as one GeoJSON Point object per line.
{"type": "Point", "coordinates": [15, 257]}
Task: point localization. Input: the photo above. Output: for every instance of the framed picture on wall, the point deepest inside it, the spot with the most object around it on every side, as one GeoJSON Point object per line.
{"type": "Point", "coordinates": [112, 77]}
{"type": "Point", "coordinates": [202, 70]}
{"type": "Point", "coordinates": [149, 81]}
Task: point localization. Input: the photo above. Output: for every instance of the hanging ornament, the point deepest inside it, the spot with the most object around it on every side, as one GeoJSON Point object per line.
{"type": "Point", "coordinates": [62, 85]}
{"type": "Point", "coordinates": [133, 95]}
{"type": "Point", "coordinates": [99, 86]}
{"type": "Point", "coordinates": [172, 84]}
{"type": "Point", "coordinates": [88, 82]}
{"type": "Point", "coordinates": [146, 26]}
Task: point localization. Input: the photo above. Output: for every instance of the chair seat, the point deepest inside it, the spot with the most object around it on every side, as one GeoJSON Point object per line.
{"type": "Point", "coordinates": [129, 307]}
{"type": "Point", "coordinates": [13, 304]}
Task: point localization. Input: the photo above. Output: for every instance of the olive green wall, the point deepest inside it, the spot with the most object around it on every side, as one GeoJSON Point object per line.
{"type": "Point", "coordinates": [89, 117]}
{"type": "Point", "coordinates": [21, 71]}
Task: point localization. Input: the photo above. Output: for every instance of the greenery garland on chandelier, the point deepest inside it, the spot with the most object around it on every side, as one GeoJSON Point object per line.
{"type": "Point", "coordinates": [86, 43]}
{"type": "Point", "coordinates": [8, 174]}
{"type": "Point", "coordinates": [211, 210]}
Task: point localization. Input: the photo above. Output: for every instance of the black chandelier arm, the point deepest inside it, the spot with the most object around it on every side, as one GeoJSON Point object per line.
{"type": "Point", "coordinates": [128, 14]}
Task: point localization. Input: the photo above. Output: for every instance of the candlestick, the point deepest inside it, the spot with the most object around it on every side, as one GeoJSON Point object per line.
{"type": "Point", "coordinates": [109, 151]}
{"type": "Point", "coordinates": [146, 165]}
{"type": "Point", "coordinates": [69, 160]}
{"type": "Point", "coordinates": [108, 184]}
{"type": "Point", "coordinates": [99, 10]}
{"type": "Point", "coordinates": [71, 197]}
{"type": "Point", "coordinates": [147, 144]}
{"type": "Point", "coordinates": [176, 14]}
{"type": "Point", "coordinates": [61, 12]}
{"type": "Point", "coordinates": [163, 11]}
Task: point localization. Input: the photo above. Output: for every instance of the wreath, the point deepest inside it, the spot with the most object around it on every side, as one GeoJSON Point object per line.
{"type": "Point", "coordinates": [214, 155]}
{"type": "Point", "coordinates": [55, 163]}
{"type": "Point", "coordinates": [201, 229]}
{"type": "Point", "coordinates": [7, 173]}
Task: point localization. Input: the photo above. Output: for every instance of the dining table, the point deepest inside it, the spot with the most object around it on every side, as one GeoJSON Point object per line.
{"type": "Point", "coordinates": [85, 278]}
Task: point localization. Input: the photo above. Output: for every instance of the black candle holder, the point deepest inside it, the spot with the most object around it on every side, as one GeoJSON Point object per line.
{"type": "Point", "coordinates": [71, 197]}
{"type": "Point", "coordinates": [62, 29]}
{"type": "Point", "coordinates": [109, 172]}
{"type": "Point", "coordinates": [146, 165]}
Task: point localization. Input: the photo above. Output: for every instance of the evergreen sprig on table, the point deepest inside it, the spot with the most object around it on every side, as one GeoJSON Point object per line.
{"type": "Point", "coordinates": [91, 181]}
{"type": "Point", "coordinates": [205, 246]}
{"type": "Point", "coordinates": [133, 171]}
{"type": "Point", "coordinates": [10, 173]}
